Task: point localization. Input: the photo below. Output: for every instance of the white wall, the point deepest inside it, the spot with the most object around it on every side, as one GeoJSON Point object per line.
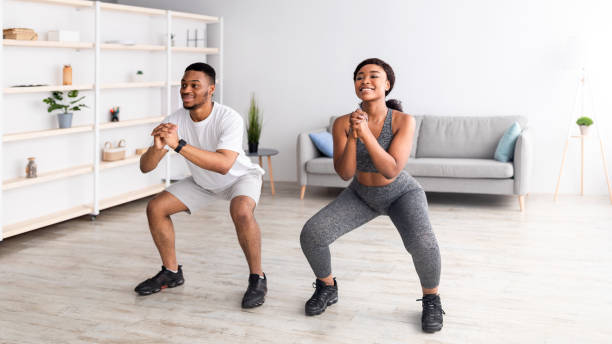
{"type": "Point", "coordinates": [477, 57]}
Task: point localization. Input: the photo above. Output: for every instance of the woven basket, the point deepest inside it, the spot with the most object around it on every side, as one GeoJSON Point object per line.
{"type": "Point", "coordinates": [111, 153]}
{"type": "Point", "coordinates": [20, 34]}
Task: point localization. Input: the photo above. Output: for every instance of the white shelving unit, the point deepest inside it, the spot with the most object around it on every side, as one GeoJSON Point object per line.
{"type": "Point", "coordinates": [93, 131]}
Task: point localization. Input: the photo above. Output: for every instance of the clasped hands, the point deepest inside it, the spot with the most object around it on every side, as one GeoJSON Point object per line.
{"type": "Point", "coordinates": [165, 134]}
{"type": "Point", "coordinates": [359, 124]}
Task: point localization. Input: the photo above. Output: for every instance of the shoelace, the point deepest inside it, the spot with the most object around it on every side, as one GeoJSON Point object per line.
{"type": "Point", "coordinates": [431, 306]}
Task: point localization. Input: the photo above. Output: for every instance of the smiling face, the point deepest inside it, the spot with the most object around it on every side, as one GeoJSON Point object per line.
{"type": "Point", "coordinates": [196, 89]}
{"type": "Point", "coordinates": [371, 83]}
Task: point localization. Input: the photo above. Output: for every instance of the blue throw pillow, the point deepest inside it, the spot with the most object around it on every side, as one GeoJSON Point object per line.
{"type": "Point", "coordinates": [505, 147]}
{"type": "Point", "coordinates": [324, 142]}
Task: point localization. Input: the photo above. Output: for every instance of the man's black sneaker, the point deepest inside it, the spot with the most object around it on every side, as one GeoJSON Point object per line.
{"type": "Point", "coordinates": [163, 279]}
{"type": "Point", "coordinates": [324, 295]}
{"type": "Point", "coordinates": [431, 319]}
{"type": "Point", "coordinates": [255, 294]}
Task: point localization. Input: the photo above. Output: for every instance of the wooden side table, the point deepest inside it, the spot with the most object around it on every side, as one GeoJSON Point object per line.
{"type": "Point", "coordinates": [603, 159]}
{"type": "Point", "coordinates": [267, 152]}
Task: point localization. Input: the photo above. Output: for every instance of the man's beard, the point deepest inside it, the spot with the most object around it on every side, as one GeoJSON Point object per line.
{"type": "Point", "coordinates": [196, 106]}
{"type": "Point", "coordinates": [193, 107]}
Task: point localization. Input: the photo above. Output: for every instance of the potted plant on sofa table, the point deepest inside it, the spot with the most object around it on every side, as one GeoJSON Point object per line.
{"type": "Point", "coordinates": [254, 125]}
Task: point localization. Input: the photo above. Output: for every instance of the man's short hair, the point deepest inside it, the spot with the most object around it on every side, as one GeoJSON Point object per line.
{"type": "Point", "coordinates": [204, 68]}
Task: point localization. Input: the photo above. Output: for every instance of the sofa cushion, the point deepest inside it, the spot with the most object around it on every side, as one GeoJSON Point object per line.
{"type": "Point", "coordinates": [324, 142]}
{"type": "Point", "coordinates": [462, 137]}
{"type": "Point", "coordinates": [459, 168]}
{"type": "Point", "coordinates": [505, 147]}
{"type": "Point", "coordinates": [321, 165]}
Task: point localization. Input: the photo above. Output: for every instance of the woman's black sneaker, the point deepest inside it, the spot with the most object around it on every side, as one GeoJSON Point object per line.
{"type": "Point", "coordinates": [255, 294]}
{"type": "Point", "coordinates": [164, 279]}
{"type": "Point", "coordinates": [431, 319]}
{"type": "Point", "coordinates": [324, 295]}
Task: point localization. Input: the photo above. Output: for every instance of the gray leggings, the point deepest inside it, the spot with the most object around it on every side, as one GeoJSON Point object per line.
{"type": "Point", "coordinates": [403, 200]}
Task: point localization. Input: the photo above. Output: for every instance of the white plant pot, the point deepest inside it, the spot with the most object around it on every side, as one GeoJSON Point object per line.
{"type": "Point", "coordinates": [138, 77]}
{"type": "Point", "coordinates": [584, 129]}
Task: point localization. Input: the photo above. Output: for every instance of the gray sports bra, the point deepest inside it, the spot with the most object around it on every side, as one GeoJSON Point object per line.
{"type": "Point", "coordinates": [364, 162]}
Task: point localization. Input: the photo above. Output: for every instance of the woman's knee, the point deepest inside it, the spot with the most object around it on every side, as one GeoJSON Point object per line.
{"type": "Point", "coordinates": [311, 234]}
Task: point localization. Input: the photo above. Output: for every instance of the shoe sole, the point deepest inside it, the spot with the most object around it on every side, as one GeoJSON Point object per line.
{"type": "Point", "coordinates": [431, 329]}
{"type": "Point", "coordinates": [145, 293]}
{"type": "Point", "coordinates": [329, 303]}
{"type": "Point", "coordinates": [255, 305]}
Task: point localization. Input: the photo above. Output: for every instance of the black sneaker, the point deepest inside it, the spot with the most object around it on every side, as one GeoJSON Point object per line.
{"type": "Point", "coordinates": [255, 294]}
{"type": "Point", "coordinates": [163, 279]}
{"type": "Point", "coordinates": [431, 319]}
{"type": "Point", "coordinates": [324, 295]}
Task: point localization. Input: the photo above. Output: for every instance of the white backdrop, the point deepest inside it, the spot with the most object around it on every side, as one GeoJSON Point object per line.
{"type": "Point", "coordinates": [472, 57]}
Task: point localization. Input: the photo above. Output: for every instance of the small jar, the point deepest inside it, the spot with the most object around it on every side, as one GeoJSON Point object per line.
{"type": "Point", "coordinates": [67, 75]}
{"type": "Point", "coordinates": [31, 168]}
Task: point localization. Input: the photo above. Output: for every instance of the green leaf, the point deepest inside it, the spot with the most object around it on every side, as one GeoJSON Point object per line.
{"type": "Point", "coordinates": [73, 93]}
{"type": "Point", "coordinates": [58, 95]}
{"type": "Point", "coordinates": [77, 100]}
{"type": "Point", "coordinates": [254, 121]}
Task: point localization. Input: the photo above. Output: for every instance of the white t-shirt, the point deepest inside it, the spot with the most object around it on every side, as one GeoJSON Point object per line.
{"type": "Point", "coordinates": [222, 129]}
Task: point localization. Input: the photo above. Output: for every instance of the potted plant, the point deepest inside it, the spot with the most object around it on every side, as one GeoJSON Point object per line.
{"type": "Point", "coordinates": [584, 123]}
{"type": "Point", "coordinates": [139, 76]}
{"type": "Point", "coordinates": [254, 125]}
{"type": "Point", "coordinates": [72, 104]}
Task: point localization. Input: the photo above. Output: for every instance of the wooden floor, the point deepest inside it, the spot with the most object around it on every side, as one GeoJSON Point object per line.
{"type": "Point", "coordinates": [542, 276]}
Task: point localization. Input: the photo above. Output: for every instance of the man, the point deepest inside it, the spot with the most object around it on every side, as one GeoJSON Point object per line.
{"type": "Point", "coordinates": [209, 135]}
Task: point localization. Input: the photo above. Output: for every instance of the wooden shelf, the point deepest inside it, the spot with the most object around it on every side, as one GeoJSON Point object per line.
{"type": "Point", "coordinates": [47, 177]}
{"type": "Point", "coordinates": [74, 3]}
{"type": "Point", "coordinates": [131, 9]}
{"type": "Point", "coordinates": [37, 89]}
{"type": "Point", "coordinates": [116, 46]}
{"type": "Point", "coordinates": [133, 85]}
{"type": "Point", "coordinates": [131, 196]}
{"type": "Point", "coordinates": [184, 15]}
{"type": "Point", "coordinates": [46, 220]}
{"type": "Point", "coordinates": [196, 50]}
{"type": "Point", "coordinates": [131, 122]}
{"type": "Point", "coordinates": [105, 165]}
{"type": "Point", "coordinates": [47, 44]}
{"type": "Point", "coordinates": [45, 133]}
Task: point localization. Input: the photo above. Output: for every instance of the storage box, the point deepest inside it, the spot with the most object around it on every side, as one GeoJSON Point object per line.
{"type": "Point", "coordinates": [20, 34]}
{"type": "Point", "coordinates": [63, 36]}
{"type": "Point", "coordinates": [111, 153]}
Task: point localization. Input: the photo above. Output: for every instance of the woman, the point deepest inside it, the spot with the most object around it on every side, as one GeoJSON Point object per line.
{"type": "Point", "coordinates": [374, 143]}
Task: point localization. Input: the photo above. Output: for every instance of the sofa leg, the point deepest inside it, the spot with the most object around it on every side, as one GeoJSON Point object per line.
{"type": "Point", "coordinates": [302, 191]}
{"type": "Point", "coordinates": [522, 202]}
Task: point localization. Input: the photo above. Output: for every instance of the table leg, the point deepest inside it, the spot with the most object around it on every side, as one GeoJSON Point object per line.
{"type": "Point", "coordinates": [561, 171]}
{"type": "Point", "coordinates": [603, 159]}
{"type": "Point", "coordinates": [260, 164]}
{"type": "Point", "coordinates": [271, 175]}
{"type": "Point", "coordinates": [581, 165]}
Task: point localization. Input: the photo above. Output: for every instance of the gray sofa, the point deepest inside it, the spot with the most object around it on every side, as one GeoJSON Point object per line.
{"type": "Point", "coordinates": [449, 154]}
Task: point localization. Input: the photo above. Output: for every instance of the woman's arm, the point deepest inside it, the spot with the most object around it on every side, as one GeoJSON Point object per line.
{"type": "Point", "coordinates": [390, 163]}
{"type": "Point", "coordinates": [345, 148]}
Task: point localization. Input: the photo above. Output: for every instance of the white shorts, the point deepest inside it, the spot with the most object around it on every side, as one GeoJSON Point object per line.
{"type": "Point", "coordinates": [195, 197]}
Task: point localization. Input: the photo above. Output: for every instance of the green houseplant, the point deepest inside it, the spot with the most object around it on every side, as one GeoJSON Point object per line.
{"type": "Point", "coordinates": [66, 102]}
{"type": "Point", "coordinates": [584, 123]}
{"type": "Point", "coordinates": [254, 125]}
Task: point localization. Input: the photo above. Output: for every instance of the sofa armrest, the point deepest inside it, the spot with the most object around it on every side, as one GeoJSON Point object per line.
{"type": "Point", "coordinates": [306, 150]}
{"type": "Point", "coordinates": [523, 162]}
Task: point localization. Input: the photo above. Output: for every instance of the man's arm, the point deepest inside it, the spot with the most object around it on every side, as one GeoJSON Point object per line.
{"type": "Point", "coordinates": [220, 161]}
{"type": "Point", "coordinates": [151, 158]}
